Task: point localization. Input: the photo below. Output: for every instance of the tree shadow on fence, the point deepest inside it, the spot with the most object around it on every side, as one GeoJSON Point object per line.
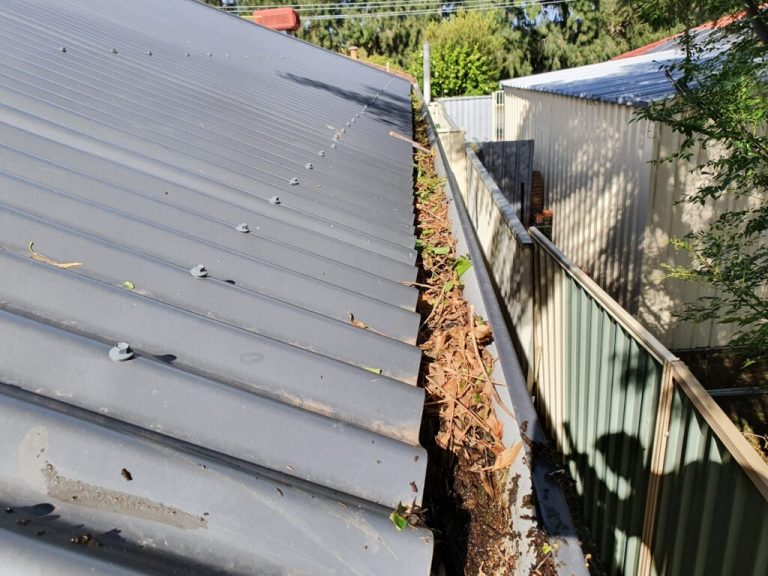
{"type": "Point", "coordinates": [709, 517]}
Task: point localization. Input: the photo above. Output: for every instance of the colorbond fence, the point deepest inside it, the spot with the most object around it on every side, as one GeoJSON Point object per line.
{"type": "Point", "coordinates": [667, 484]}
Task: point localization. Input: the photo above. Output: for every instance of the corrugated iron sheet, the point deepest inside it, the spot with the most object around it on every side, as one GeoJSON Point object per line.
{"type": "Point", "coordinates": [597, 388]}
{"type": "Point", "coordinates": [509, 251]}
{"type": "Point", "coordinates": [595, 165]}
{"type": "Point", "coordinates": [712, 518]}
{"type": "Point", "coordinates": [473, 114]}
{"type": "Point", "coordinates": [633, 81]}
{"type": "Point", "coordinates": [667, 487]}
{"type": "Point", "coordinates": [256, 429]}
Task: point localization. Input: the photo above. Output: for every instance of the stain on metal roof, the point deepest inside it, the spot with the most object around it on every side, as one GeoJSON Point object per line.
{"type": "Point", "coordinates": [223, 200]}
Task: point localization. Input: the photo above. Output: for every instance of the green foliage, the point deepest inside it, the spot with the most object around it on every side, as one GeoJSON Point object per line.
{"type": "Point", "coordinates": [722, 103]}
{"type": "Point", "coordinates": [585, 32]}
{"type": "Point", "coordinates": [467, 54]}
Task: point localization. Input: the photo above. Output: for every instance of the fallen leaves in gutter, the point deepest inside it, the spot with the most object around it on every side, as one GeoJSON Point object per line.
{"type": "Point", "coordinates": [457, 370]}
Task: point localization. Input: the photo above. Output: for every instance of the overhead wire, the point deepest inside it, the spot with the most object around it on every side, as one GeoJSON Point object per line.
{"type": "Point", "coordinates": [419, 7]}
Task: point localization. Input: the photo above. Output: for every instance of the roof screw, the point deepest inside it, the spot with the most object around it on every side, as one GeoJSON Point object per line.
{"type": "Point", "coordinates": [121, 352]}
{"type": "Point", "coordinates": [343, 130]}
{"type": "Point", "coordinates": [226, 56]}
{"type": "Point", "coordinates": [114, 50]}
{"type": "Point", "coordinates": [333, 145]}
{"type": "Point", "coordinates": [243, 228]}
{"type": "Point", "coordinates": [335, 136]}
{"type": "Point", "coordinates": [187, 54]}
{"type": "Point", "coordinates": [294, 181]}
{"type": "Point", "coordinates": [274, 200]}
{"type": "Point", "coordinates": [149, 52]}
{"type": "Point", "coordinates": [210, 54]}
{"type": "Point", "coordinates": [308, 166]}
{"type": "Point", "coordinates": [199, 271]}
{"type": "Point", "coordinates": [321, 153]}
{"type": "Point", "coordinates": [63, 49]}
{"type": "Point", "coordinates": [347, 124]}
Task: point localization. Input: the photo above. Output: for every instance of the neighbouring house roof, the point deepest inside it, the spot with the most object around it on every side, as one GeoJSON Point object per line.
{"type": "Point", "coordinates": [633, 81]}
{"type": "Point", "coordinates": [701, 33]}
{"type": "Point", "coordinates": [255, 429]}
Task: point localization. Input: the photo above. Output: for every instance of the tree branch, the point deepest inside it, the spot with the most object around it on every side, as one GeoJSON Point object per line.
{"type": "Point", "coordinates": [757, 21]}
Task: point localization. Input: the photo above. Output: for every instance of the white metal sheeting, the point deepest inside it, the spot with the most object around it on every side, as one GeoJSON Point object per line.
{"type": "Point", "coordinates": [633, 81]}
{"type": "Point", "coordinates": [473, 114]}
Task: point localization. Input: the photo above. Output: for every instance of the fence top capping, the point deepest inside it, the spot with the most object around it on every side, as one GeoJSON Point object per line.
{"type": "Point", "coordinates": [445, 116]}
{"type": "Point", "coordinates": [622, 316]}
{"type": "Point", "coordinates": [744, 454]}
{"type": "Point", "coordinates": [504, 206]}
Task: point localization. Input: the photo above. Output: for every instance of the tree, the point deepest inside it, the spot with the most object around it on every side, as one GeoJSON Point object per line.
{"type": "Point", "coordinates": [577, 32]}
{"type": "Point", "coordinates": [721, 104]}
{"type": "Point", "coordinates": [467, 54]}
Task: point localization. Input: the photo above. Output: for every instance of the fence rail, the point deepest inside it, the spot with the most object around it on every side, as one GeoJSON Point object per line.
{"type": "Point", "coordinates": [667, 483]}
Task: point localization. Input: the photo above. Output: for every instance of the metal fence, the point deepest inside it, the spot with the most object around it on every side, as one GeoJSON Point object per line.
{"type": "Point", "coordinates": [508, 250]}
{"type": "Point", "coordinates": [667, 484]}
{"type": "Point", "coordinates": [473, 114]}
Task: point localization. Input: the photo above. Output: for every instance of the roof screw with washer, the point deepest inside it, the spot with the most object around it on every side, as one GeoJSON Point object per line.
{"type": "Point", "coordinates": [333, 145]}
{"type": "Point", "coordinates": [243, 228]}
{"type": "Point", "coordinates": [199, 271]}
{"type": "Point", "coordinates": [63, 49]}
{"type": "Point", "coordinates": [294, 181]}
{"type": "Point", "coordinates": [308, 166]}
{"type": "Point", "coordinates": [321, 153]}
{"type": "Point", "coordinates": [274, 200]}
{"type": "Point", "coordinates": [121, 352]}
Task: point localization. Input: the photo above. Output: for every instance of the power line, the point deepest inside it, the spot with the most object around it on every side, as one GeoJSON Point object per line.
{"type": "Point", "coordinates": [478, 8]}
{"type": "Point", "coordinates": [416, 4]}
{"type": "Point", "coordinates": [344, 5]}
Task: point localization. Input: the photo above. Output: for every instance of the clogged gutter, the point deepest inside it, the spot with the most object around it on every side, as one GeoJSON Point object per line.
{"type": "Point", "coordinates": [465, 500]}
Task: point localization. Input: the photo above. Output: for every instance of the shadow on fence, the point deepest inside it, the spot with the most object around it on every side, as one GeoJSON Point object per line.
{"type": "Point", "coordinates": [666, 483]}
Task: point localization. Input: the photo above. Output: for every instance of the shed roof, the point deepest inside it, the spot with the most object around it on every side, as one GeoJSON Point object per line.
{"type": "Point", "coordinates": [635, 81]}
{"type": "Point", "coordinates": [256, 429]}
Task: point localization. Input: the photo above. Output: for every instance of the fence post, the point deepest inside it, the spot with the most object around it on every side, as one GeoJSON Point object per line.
{"type": "Point", "coordinates": [658, 456]}
{"type": "Point", "coordinates": [427, 74]}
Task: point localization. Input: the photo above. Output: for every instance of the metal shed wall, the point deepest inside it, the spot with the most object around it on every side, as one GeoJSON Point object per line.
{"type": "Point", "coordinates": [594, 164]}
{"type": "Point", "coordinates": [615, 211]}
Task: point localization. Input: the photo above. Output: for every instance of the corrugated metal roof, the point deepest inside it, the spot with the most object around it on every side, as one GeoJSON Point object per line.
{"type": "Point", "coordinates": [634, 81]}
{"type": "Point", "coordinates": [256, 430]}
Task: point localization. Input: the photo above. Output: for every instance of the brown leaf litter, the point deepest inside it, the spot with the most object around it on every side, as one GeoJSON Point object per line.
{"type": "Point", "coordinates": [467, 478]}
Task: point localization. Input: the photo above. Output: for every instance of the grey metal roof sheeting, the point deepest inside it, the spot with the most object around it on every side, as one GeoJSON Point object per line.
{"type": "Point", "coordinates": [256, 430]}
{"type": "Point", "coordinates": [635, 81]}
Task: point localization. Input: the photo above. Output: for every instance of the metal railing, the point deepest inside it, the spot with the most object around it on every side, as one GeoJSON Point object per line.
{"type": "Point", "coordinates": [668, 485]}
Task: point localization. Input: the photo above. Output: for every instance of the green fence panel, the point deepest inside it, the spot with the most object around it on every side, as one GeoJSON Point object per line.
{"type": "Point", "coordinates": [610, 397]}
{"type": "Point", "coordinates": [712, 519]}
